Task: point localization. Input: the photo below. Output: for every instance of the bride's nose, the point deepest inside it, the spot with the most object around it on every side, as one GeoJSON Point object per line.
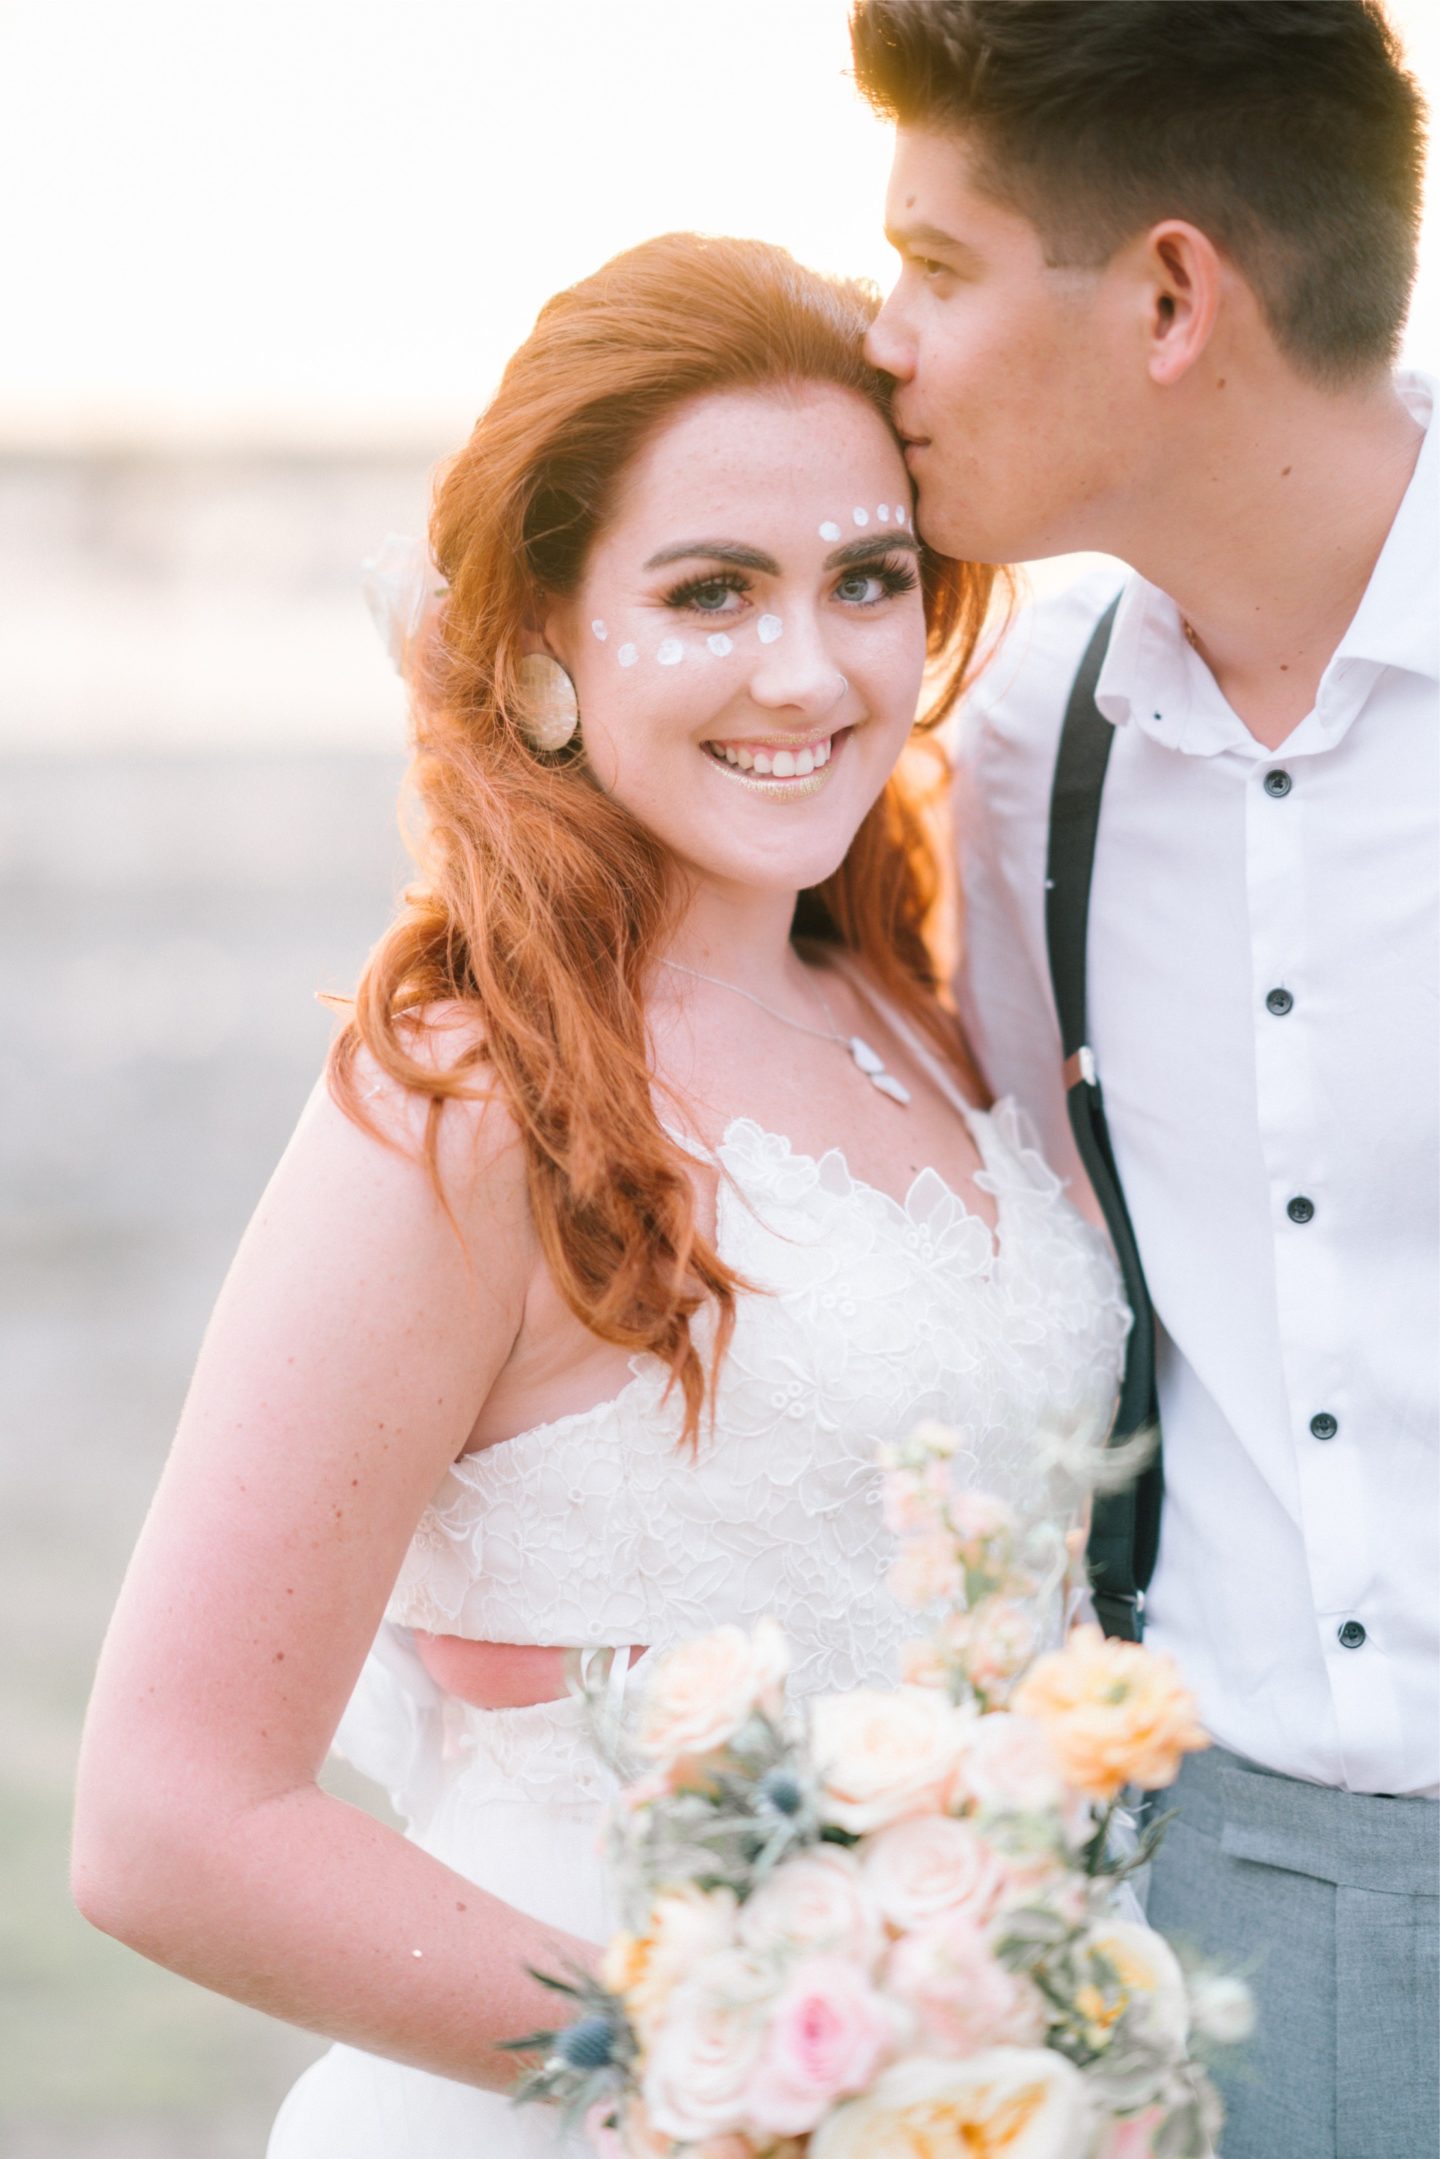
{"type": "Point", "coordinates": [795, 671]}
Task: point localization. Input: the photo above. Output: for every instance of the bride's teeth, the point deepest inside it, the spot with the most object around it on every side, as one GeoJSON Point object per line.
{"type": "Point", "coordinates": [763, 765]}
{"type": "Point", "coordinates": [822, 753]}
{"type": "Point", "coordinates": [744, 760]}
{"type": "Point", "coordinates": [732, 757]}
{"type": "Point", "coordinates": [783, 765]}
{"type": "Point", "coordinates": [804, 764]}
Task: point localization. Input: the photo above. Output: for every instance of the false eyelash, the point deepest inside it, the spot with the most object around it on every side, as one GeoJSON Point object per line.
{"type": "Point", "coordinates": [728, 580]}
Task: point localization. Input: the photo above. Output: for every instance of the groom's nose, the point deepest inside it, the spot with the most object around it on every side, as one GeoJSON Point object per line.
{"type": "Point", "coordinates": [888, 342]}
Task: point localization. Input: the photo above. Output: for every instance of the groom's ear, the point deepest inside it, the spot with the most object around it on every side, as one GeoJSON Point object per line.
{"type": "Point", "coordinates": [1182, 280]}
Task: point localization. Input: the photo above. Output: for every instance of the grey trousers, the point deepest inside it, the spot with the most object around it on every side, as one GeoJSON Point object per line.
{"type": "Point", "coordinates": [1327, 1901]}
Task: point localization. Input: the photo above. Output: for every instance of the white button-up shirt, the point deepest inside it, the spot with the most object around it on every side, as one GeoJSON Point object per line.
{"type": "Point", "coordinates": [1263, 1012]}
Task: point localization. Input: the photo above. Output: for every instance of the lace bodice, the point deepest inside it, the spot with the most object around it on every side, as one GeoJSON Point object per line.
{"type": "Point", "coordinates": [600, 1528]}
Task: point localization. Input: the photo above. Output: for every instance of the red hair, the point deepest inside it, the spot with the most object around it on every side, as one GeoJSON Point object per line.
{"type": "Point", "coordinates": [542, 903]}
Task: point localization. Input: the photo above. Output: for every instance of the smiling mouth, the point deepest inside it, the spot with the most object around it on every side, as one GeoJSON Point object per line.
{"type": "Point", "coordinates": [778, 768]}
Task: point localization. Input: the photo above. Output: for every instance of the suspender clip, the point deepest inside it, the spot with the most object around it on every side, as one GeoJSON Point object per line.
{"type": "Point", "coordinates": [1080, 1067]}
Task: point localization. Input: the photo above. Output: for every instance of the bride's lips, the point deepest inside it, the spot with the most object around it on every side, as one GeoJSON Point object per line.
{"type": "Point", "coordinates": [804, 762]}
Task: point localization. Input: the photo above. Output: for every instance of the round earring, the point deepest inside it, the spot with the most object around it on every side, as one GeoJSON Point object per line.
{"type": "Point", "coordinates": [549, 710]}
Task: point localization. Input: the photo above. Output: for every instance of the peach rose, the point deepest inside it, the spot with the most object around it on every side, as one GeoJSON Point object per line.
{"type": "Point", "coordinates": [704, 2053]}
{"type": "Point", "coordinates": [826, 2036]}
{"type": "Point", "coordinates": [961, 1998]}
{"type": "Point", "coordinates": [917, 1870]}
{"type": "Point", "coordinates": [700, 1694]}
{"type": "Point", "coordinates": [814, 1902]}
{"type": "Point", "coordinates": [885, 1756]}
{"type": "Point", "coordinates": [1117, 1713]}
{"type": "Point", "coordinates": [685, 1925]}
{"type": "Point", "coordinates": [1007, 2103]}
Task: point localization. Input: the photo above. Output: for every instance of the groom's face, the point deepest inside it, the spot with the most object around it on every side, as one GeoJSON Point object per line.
{"type": "Point", "coordinates": [1013, 375]}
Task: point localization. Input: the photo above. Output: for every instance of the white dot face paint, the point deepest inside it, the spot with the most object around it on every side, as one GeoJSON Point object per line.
{"type": "Point", "coordinates": [902, 516]}
{"type": "Point", "coordinates": [598, 630]}
{"type": "Point", "coordinates": [768, 628]}
{"type": "Point", "coordinates": [720, 644]}
{"type": "Point", "coordinates": [883, 513]}
{"type": "Point", "coordinates": [829, 530]}
{"type": "Point", "coordinates": [627, 655]}
{"type": "Point", "coordinates": [861, 517]}
{"type": "Point", "coordinates": [671, 653]}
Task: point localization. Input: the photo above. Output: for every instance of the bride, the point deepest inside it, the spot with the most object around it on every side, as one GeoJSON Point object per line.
{"type": "Point", "coordinates": [649, 1191]}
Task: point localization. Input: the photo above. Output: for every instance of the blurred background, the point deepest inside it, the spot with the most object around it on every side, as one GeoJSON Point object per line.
{"type": "Point", "coordinates": [262, 265]}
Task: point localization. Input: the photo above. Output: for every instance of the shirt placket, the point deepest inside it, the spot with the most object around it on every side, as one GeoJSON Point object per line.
{"type": "Point", "coordinates": [1324, 1444]}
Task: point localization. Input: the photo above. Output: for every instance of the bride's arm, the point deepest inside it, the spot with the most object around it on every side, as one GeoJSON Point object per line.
{"type": "Point", "coordinates": [350, 1351]}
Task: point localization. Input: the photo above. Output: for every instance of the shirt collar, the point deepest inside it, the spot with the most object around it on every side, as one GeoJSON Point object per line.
{"type": "Point", "coordinates": [1152, 676]}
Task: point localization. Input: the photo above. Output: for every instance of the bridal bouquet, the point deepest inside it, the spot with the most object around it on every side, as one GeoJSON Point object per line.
{"type": "Point", "coordinates": [886, 1924]}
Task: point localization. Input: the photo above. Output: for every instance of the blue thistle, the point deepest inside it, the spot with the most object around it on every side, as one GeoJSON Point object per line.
{"type": "Point", "coordinates": [590, 2044]}
{"type": "Point", "coordinates": [780, 1791]}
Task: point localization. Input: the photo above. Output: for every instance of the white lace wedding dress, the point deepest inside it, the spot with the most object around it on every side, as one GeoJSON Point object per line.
{"type": "Point", "coordinates": [598, 1529]}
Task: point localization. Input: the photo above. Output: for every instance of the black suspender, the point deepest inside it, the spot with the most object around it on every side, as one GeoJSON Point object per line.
{"type": "Point", "coordinates": [1126, 1529]}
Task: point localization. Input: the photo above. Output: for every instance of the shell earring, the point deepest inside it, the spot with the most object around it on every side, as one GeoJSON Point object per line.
{"type": "Point", "coordinates": [549, 710]}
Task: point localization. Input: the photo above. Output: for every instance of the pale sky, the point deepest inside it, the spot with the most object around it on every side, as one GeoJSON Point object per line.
{"type": "Point", "coordinates": [330, 220]}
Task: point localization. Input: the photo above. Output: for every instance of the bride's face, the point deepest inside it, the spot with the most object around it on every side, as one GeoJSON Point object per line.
{"type": "Point", "coordinates": [748, 639]}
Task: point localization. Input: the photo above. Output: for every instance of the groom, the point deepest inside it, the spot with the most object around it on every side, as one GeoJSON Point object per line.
{"type": "Point", "coordinates": [1155, 260]}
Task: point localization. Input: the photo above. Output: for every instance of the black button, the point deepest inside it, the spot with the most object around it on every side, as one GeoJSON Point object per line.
{"type": "Point", "coordinates": [1323, 1425]}
{"type": "Point", "coordinates": [1279, 1002]}
{"type": "Point", "coordinates": [1278, 783]}
{"type": "Point", "coordinates": [1301, 1209]}
{"type": "Point", "coordinates": [1351, 1635]}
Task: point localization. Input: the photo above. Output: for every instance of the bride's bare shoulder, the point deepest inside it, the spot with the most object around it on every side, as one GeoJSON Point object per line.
{"type": "Point", "coordinates": [434, 1105]}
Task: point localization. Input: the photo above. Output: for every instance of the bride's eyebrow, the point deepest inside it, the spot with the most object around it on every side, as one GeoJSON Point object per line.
{"type": "Point", "coordinates": [874, 544]}
{"type": "Point", "coordinates": [731, 551]}
{"type": "Point", "coordinates": [740, 557]}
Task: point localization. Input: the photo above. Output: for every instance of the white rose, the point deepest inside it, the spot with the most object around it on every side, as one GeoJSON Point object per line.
{"type": "Point", "coordinates": [704, 2052]}
{"type": "Point", "coordinates": [884, 1756]}
{"type": "Point", "coordinates": [815, 1902]}
{"type": "Point", "coordinates": [1142, 1981]}
{"type": "Point", "coordinates": [700, 1694]}
{"type": "Point", "coordinates": [1009, 2103]}
{"type": "Point", "coordinates": [919, 1869]}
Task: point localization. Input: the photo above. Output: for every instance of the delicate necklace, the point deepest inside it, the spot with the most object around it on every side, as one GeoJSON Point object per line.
{"type": "Point", "coordinates": [869, 1061]}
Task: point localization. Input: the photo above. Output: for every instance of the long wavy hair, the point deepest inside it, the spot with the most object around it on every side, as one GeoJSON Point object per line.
{"type": "Point", "coordinates": [541, 903]}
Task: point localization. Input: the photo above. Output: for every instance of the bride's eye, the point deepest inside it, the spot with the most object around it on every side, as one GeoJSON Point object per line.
{"type": "Point", "coordinates": [709, 595]}
{"type": "Point", "coordinates": [867, 588]}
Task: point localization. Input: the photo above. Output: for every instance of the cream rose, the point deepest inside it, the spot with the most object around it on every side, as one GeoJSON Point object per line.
{"type": "Point", "coordinates": [926, 1570]}
{"type": "Point", "coordinates": [686, 1924]}
{"type": "Point", "coordinates": [705, 2050]}
{"type": "Point", "coordinates": [962, 2000]}
{"type": "Point", "coordinates": [921, 1868]}
{"type": "Point", "coordinates": [885, 1756]}
{"type": "Point", "coordinates": [1008, 2103]}
{"type": "Point", "coordinates": [701, 1693]}
{"type": "Point", "coordinates": [1135, 1975]}
{"type": "Point", "coordinates": [1011, 1767]}
{"type": "Point", "coordinates": [815, 1902]}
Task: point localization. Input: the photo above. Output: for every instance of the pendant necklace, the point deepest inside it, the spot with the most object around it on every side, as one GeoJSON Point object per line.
{"type": "Point", "coordinates": [867, 1060]}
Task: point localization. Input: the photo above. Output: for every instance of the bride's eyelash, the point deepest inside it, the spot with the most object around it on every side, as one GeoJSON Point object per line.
{"type": "Point", "coordinates": [716, 580]}
{"type": "Point", "coordinates": [896, 574]}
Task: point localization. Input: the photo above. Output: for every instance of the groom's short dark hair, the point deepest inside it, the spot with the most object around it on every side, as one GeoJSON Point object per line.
{"type": "Point", "coordinates": [1288, 130]}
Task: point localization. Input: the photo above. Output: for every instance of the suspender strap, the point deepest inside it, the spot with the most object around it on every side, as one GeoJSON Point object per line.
{"type": "Point", "coordinates": [1126, 1528]}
